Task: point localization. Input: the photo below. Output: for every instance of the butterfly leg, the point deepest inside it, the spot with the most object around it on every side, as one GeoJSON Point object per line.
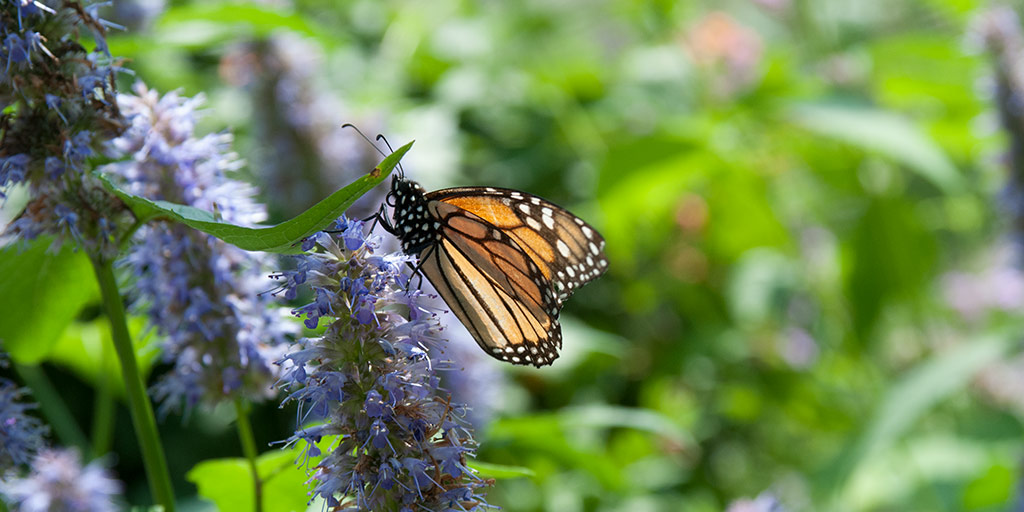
{"type": "Point", "coordinates": [415, 273]}
{"type": "Point", "coordinates": [381, 217]}
{"type": "Point", "coordinates": [416, 269]}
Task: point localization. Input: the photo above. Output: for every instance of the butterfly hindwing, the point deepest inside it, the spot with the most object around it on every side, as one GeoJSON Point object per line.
{"type": "Point", "coordinates": [569, 252]}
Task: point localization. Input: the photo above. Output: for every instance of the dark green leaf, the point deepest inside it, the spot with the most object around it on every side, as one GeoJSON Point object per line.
{"type": "Point", "coordinates": [892, 257]}
{"type": "Point", "coordinates": [280, 238]}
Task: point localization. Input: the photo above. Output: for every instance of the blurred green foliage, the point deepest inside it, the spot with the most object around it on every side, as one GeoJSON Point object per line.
{"type": "Point", "coordinates": [785, 186]}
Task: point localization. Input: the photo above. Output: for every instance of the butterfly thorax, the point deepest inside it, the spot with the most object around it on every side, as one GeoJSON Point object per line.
{"type": "Point", "coordinates": [413, 224]}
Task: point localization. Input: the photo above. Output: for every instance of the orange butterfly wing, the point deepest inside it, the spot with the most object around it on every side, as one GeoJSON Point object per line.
{"type": "Point", "coordinates": [494, 287]}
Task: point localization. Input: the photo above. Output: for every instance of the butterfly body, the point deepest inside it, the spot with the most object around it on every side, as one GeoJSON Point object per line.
{"type": "Point", "coordinates": [503, 260]}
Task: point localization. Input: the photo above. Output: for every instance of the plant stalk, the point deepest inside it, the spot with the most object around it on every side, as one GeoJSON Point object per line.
{"type": "Point", "coordinates": [249, 449]}
{"type": "Point", "coordinates": [103, 409]}
{"type": "Point", "coordinates": [53, 407]}
{"type": "Point", "coordinates": [138, 403]}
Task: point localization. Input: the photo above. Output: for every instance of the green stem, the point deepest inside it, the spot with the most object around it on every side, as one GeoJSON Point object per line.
{"type": "Point", "coordinates": [53, 407]}
{"type": "Point", "coordinates": [138, 403]}
{"type": "Point", "coordinates": [249, 449]}
{"type": "Point", "coordinates": [126, 238]}
{"type": "Point", "coordinates": [103, 409]}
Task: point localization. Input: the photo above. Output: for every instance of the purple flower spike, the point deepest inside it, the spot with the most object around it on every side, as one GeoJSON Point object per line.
{"type": "Point", "coordinates": [59, 482]}
{"type": "Point", "coordinates": [370, 381]}
{"type": "Point", "coordinates": [21, 435]}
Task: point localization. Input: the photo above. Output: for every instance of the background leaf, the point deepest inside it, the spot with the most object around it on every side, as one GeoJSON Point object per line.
{"type": "Point", "coordinates": [228, 482]}
{"type": "Point", "coordinates": [884, 132]}
{"type": "Point", "coordinates": [904, 404]}
{"type": "Point", "coordinates": [40, 294]}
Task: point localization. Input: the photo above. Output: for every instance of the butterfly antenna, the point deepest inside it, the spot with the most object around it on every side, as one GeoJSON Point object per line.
{"type": "Point", "coordinates": [367, 139]}
{"type": "Point", "coordinates": [380, 136]}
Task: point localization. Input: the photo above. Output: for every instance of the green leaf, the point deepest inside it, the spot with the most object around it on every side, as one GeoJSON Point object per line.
{"type": "Point", "coordinates": [885, 133]}
{"type": "Point", "coordinates": [556, 437]}
{"type": "Point", "coordinates": [86, 348]}
{"type": "Point", "coordinates": [41, 293]}
{"type": "Point", "coordinates": [499, 471]}
{"type": "Point", "coordinates": [206, 24]}
{"type": "Point", "coordinates": [281, 238]}
{"type": "Point", "coordinates": [891, 257]}
{"type": "Point", "coordinates": [607, 416]}
{"type": "Point", "coordinates": [228, 482]}
{"type": "Point", "coordinates": [909, 399]}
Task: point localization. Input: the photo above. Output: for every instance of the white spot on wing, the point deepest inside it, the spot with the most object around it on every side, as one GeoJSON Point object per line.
{"type": "Point", "coordinates": [563, 249]}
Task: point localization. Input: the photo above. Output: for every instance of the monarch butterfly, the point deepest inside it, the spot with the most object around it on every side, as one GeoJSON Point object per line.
{"type": "Point", "coordinates": [504, 261]}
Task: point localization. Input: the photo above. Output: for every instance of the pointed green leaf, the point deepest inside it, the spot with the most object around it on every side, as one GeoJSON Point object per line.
{"type": "Point", "coordinates": [281, 238]}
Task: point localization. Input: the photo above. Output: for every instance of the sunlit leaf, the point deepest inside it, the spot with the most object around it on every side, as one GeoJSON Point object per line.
{"type": "Point", "coordinates": [87, 349]}
{"type": "Point", "coordinates": [202, 24]}
{"type": "Point", "coordinates": [41, 292]}
{"type": "Point", "coordinates": [228, 482]}
{"type": "Point", "coordinates": [499, 471]}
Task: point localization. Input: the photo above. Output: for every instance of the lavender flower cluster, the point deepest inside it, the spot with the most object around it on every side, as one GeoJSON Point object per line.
{"type": "Point", "coordinates": [62, 98]}
{"type": "Point", "coordinates": [21, 435]}
{"type": "Point", "coordinates": [998, 29]}
{"type": "Point", "coordinates": [764, 502]}
{"type": "Point", "coordinates": [368, 384]}
{"type": "Point", "coordinates": [201, 294]}
{"type": "Point", "coordinates": [56, 479]}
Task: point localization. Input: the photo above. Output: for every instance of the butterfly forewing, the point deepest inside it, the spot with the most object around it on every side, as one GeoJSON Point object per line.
{"type": "Point", "coordinates": [569, 252]}
{"type": "Point", "coordinates": [497, 255]}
